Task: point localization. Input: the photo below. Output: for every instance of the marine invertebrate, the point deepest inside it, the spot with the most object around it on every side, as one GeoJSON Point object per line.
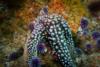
{"type": "Point", "coordinates": [41, 47]}
{"type": "Point", "coordinates": [84, 23]}
{"type": "Point", "coordinates": [95, 35]}
{"type": "Point", "coordinates": [88, 46]}
{"type": "Point", "coordinates": [54, 28]}
{"type": "Point", "coordinates": [35, 62]}
{"type": "Point", "coordinates": [15, 55]}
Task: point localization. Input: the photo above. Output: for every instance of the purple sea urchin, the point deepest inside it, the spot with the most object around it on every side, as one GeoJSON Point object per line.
{"type": "Point", "coordinates": [84, 23]}
{"type": "Point", "coordinates": [95, 35]}
{"type": "Point", "coordinates": [41, 47]}
{"type": "Point", "coordinates": [35, 62]}
{"type": "Point", "coordinates": [88, 46]}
